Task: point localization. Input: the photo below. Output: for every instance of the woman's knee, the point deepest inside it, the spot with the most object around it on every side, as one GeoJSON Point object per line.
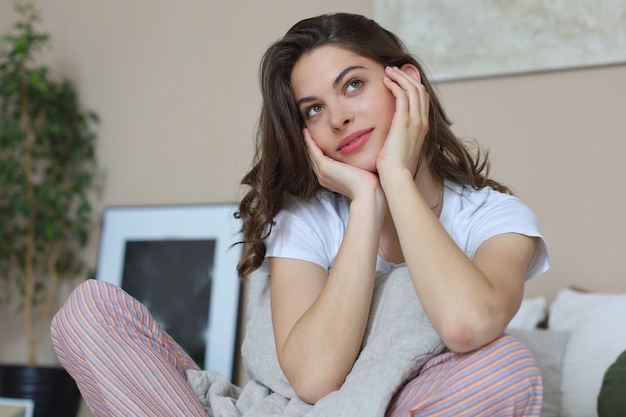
{"type": "Point", "coordinates": [500, 378]}
{"type": "Point", "coordinates": [514, 365]}
{"type": "Point", "coordinates": [87, 303]}
{"type": "Point", "coordinates": [507, 377]}
{"type": "Point", "coordinates": [512, 352]}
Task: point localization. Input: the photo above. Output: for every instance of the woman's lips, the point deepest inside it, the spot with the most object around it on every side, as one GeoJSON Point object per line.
{"type": "Point", "coordinates": [354, 141]}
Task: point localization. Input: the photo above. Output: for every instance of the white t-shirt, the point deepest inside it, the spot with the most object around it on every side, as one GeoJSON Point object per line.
{"type": "Point", "coordinates": [312, 230]}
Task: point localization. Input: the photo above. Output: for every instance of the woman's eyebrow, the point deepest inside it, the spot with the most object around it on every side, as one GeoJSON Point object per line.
{"type": "Point", "coordinates": [343, 73]}
{"type": "Point", "coordinates": [337, 80]}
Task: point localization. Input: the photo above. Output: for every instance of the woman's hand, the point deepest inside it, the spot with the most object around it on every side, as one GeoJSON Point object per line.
{"type": "Point", "coordinates": [410, 122]}
{"type": "Point", "coordinates": [338, 176]}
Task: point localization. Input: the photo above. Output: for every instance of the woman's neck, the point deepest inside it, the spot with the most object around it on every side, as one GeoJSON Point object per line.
{"type": "Point", "coordinates": [431, 189]}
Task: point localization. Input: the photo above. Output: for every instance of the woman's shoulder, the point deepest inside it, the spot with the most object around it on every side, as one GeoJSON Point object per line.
{"type": "Point", "coordinates": [309, 229]}
{"type": "Point", "coordinates": [322, 205]}
{"type": "Point", "coordinates": [484, 212]}
{"type": "Point", "coordinates": [472, 216]}
{"type": "Point", "coordinates": [470, 201]}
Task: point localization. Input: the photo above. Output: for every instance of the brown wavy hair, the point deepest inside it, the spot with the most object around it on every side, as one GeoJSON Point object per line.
{"type": "Point", "coordinates": [281, 163]}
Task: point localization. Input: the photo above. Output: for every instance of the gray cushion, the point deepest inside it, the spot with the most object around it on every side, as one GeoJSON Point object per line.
{"type": "Point", "coordinates": [548, 348]}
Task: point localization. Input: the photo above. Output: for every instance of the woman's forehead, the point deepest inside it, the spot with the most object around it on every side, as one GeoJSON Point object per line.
{"type": "Point", "coordinates": [325, 65]}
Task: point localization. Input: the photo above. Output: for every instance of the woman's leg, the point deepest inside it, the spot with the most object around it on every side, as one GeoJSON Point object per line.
{"type": "Point", "coordinates": [123, 362]}
{"type": "Point", "coordinates": [499, 379]}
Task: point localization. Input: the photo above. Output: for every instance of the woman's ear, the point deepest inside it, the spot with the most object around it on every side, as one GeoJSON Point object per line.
{"type": "Point", "coordinates": [412, 71]}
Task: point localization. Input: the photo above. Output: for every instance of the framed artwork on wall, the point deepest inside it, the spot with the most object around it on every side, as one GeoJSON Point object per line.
{"type": "Point", "coordinates": [16, 407]}
{"type": "Point", "coordinates": [180, 262]}
{"type": "Point", "coordinates": [463, 39]}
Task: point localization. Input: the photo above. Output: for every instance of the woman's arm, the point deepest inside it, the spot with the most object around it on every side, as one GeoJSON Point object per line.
{"type": "Point", "coordinates": [319, 319]}
{"type": "Point", "coordinates": [468, 302]}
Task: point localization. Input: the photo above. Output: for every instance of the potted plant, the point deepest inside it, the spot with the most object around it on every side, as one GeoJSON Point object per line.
{"type": "Point", "coordinates": [47, 173]}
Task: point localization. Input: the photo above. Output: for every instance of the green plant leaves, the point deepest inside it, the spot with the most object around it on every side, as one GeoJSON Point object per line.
{"type": "Point", "coordinates": [47, 168]}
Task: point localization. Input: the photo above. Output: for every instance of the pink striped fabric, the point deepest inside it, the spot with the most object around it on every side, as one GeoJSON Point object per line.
{"type": "Point", "coordinates": [125, 365]}
{"type": "Point", "coordinates": [500, 379]}
{"type": "Point", "coordinates": [122, 361]}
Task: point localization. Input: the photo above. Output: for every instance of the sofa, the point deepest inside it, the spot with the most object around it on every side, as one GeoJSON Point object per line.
{"type": "Point", "coordinates": [577, 339]}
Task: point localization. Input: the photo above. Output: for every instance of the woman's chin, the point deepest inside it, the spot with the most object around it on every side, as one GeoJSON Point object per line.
{"type": "Point", "coordinates": [367, 166]}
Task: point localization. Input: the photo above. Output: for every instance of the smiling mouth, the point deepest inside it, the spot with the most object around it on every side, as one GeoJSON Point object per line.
{"type": "Point", "coordinates": [351, 142]}
{"type": "Point", "coordinates": [354, 141]}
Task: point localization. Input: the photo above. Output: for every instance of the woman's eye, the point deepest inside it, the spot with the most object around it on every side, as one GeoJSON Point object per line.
{"type": "Point", "coordinates": [354, 85]}
{"type": "Point", "coordinates": [313, 110]}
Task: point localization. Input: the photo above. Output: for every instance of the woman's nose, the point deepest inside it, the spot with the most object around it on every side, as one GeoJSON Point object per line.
{"type": "Point", "coordinates": [340, 118]}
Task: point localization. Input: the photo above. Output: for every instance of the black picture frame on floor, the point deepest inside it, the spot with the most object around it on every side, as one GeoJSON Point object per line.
{"type": "Point", "coordinates": [180, 261]}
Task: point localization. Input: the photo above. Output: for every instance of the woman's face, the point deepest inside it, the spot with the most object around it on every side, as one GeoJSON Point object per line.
{"type": "Point", "coordinates": [344, 104]}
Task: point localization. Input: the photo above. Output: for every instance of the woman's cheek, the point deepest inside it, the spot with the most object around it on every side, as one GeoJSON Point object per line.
{"type": "Point", "coordinates": [318, 139]}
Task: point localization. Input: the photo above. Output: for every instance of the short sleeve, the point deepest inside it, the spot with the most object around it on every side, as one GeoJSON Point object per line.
{"type": "Point", "coordinates": [510, 215]}
{"type": "Point", "coordinates": [291, 237]}
{"type": "Point", "coordinates": [309, 230]}
{"type": "Point", "coordinates": [482, 214]}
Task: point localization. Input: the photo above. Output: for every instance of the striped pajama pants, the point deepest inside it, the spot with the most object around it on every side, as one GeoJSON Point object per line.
{"type": "Point", "coordinates": [125, 365]}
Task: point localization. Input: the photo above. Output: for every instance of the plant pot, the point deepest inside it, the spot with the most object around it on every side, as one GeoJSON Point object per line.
{"type": "Point", "coordinates": [52, 389]}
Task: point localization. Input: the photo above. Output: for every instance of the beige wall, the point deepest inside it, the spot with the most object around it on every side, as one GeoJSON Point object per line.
{"type": "Point", "coordinates": [175, 84]}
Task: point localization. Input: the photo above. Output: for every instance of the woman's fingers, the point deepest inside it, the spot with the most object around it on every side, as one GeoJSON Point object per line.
{"type": "Point", "coordinates": [334, 175]}
{"type": "Point", "coordinates": [418, 99]}
{"type": "Point", "coordinates": [314, 150]}
{"type": "Point", "coordinates": [402, 99]}
{"type": "Point", "coordinates": [410, 122]}
{"type": "Point", "coordinates": [322, 165]}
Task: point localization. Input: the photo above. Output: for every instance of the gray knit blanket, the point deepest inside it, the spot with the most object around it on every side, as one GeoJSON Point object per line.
{"type": "Point", "coordinates": [399, 339]}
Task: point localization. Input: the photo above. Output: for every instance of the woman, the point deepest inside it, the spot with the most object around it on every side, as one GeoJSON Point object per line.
{"type": "Point", "coordinates": [356, 172]}
{"type": "Point", "coordinates": [348, 109]}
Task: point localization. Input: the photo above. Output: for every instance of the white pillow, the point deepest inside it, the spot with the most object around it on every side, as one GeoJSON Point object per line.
{"type": "Point", "coordinates": [530, 314]}
{"type": "Point", "coordinates": [597, 336]}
